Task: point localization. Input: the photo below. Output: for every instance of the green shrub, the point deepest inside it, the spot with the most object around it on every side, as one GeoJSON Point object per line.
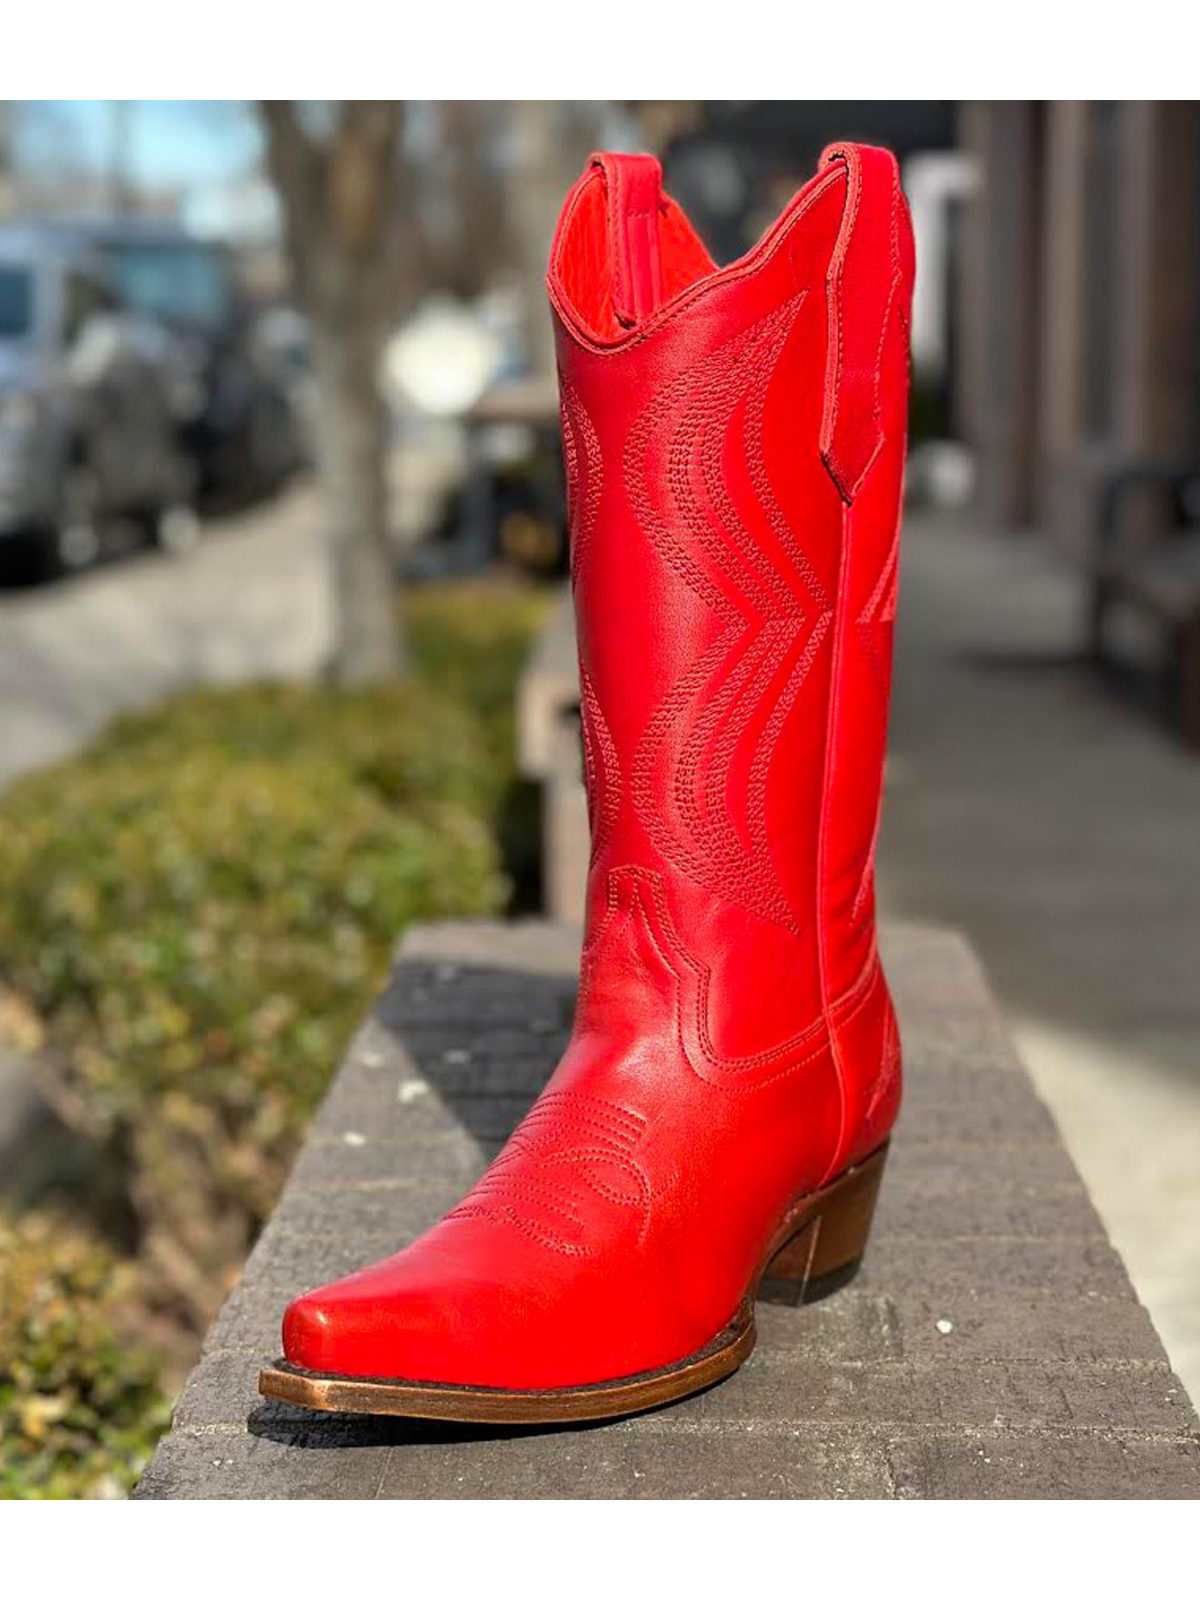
{"type": "Point", "coordinates": [472, 639]}
{"type": "Point", "coordinates": [80, 1402]}
{"type": "Point", "coordinates": [200, 907]}
{"type": "Point", "coordinates": [199, 910]}
{"type": "Point", "coordinates": [194, 915]}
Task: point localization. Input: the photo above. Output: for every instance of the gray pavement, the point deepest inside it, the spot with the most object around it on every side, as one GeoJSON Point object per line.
{"type": "Point", "coordinates": [1059, 828]}
{"type": "Point", "coordinates": [249, 601]}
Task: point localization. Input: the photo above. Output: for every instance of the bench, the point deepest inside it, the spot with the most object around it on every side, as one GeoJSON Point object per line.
{"type": "Point", "coordinates": [991, 1346]}
{"type": "Point", "coordinates": [1159, 577]}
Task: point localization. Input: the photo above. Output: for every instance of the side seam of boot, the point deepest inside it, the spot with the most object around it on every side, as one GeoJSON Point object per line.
{"type": "Point", "coordinates": [863, 440]}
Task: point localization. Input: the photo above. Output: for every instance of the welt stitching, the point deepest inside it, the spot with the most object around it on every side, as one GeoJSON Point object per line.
{"type": "Point", "coordinates": [612, 1131]}
{"type": "Point", "coordinates": [854, 196]}
{"type": "Point", "coordinates": [703, 979]}
{"type": "Point", "coordinates": [864, 628]}
{"type": "Point", "coordinates": [893, 285]}
{"type": "Point", "coordinates": [594, 1155]}
{"type": "Point", "coordinates": [495, 1190]}
{"type": "Point", "coordinates": [577, 1123]}
{"type": "Point", "coordinates": [636, 1124]}
{"type": "Point", "coordinates": [506, 1215]}
{"type": "Point", "coordinates": [724, 1064]}
{"type": "Point", "coordinates": [889, 1068]}
{"type": "Point", "coordinates": [752, 882]}
{"type": "Point", "coordinates": [590, 1102]}
{"type": "Point", "coordinates": [603, 775]}
{"type": "Point", "coordinates": [578, 1109]}
{"type": "Point", "coordinates": [582, 507]}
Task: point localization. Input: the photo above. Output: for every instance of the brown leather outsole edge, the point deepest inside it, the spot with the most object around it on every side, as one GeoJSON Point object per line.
{"type": "Point", "coordinates": [447, 1402]}
{"type": "Point", "coordinates": [819, 1241]}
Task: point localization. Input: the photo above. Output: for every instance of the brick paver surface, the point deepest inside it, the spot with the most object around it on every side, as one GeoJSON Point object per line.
{"type": "Point", "coordinates": [992, 1345]}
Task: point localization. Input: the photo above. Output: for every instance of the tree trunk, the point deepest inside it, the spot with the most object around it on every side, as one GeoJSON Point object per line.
{"type": "Point", "coordinates": [340, 194]}
{"type": "Point", "coordinates": [352, 457]}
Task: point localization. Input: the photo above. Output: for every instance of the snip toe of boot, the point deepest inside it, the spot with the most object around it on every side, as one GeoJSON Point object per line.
{"type": "Point", "coordinates": [350, 1329]}
{"type": "Point", "coordinates": [310, 1334]}
{"type": "Point", "coordinates": [401, 1318]}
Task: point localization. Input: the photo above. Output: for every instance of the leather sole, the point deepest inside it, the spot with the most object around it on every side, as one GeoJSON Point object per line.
{"type": "Point", "coordinates": [816, 1248]}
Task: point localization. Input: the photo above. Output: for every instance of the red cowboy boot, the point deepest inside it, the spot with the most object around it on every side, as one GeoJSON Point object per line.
{"type": "Point", "coordinates": [734, 443]}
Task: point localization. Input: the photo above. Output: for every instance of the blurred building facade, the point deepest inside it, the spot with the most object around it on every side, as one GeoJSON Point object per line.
{"type": "Point", "coordinates": [1078, 302]}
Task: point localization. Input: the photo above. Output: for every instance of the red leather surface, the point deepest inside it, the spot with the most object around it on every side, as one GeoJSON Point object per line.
{"type": "Point", "coordinates": [734, 443]}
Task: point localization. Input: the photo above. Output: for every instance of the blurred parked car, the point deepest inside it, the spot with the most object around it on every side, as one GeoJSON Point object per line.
{"type": "Point", "coordinates": [88, 432]}
{"type": "Point", "coordinates": [242, 400]}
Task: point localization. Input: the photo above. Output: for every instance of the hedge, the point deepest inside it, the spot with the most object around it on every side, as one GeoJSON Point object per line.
{"type": "Point", "coordinates": [199, 908]}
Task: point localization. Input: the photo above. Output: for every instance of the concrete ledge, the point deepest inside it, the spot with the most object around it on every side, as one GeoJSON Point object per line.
{"type": "Point", "coordinates": [549, 749]}
{"type": "Point", "coordinates": [991, 1347]}
{"type": "Point", "coordinates": [548, 690]}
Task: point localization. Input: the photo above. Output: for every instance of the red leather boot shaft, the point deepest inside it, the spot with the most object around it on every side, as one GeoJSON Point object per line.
{"type": "Point", "coordinates": [734, 452]}
{"type": "Point", "coordinates": [734, 444]}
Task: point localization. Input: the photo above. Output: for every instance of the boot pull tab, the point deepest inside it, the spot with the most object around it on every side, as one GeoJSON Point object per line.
{"type": "Point", "coordinates": [870, 274]}
{"type": "Point", "coordinates": [635, 201]}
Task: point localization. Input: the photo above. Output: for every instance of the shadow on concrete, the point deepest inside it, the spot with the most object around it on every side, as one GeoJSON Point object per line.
{"type": "Point", "coordinates": [486, 1059]}
{"type": "Point", "coordinates": [303, 1430]}
{"type": "Point", "coordinates": [307, 1430]}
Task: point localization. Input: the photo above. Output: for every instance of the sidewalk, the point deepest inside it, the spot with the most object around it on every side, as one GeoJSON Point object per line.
{"type": "Point", "coordinates": [249, 601]}
{"type": "Point", "coordinates": [1060, 830]}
